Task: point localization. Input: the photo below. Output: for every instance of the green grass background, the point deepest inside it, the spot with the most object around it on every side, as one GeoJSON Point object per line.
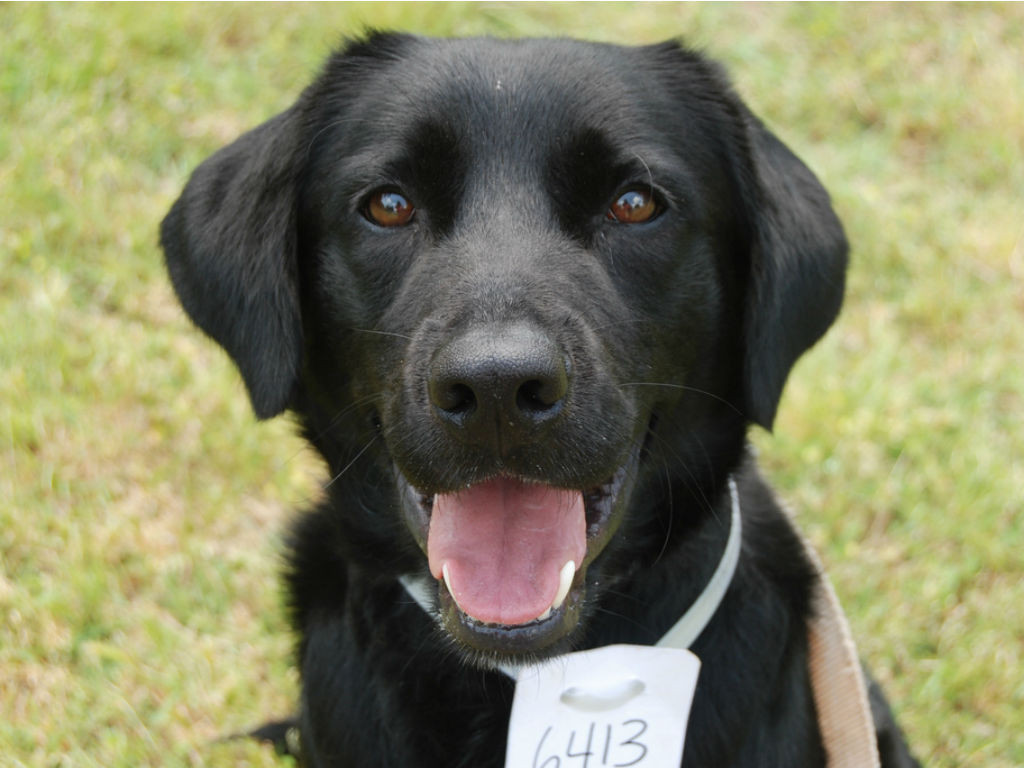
{"type": "Point", "coordinates": [141, 505]}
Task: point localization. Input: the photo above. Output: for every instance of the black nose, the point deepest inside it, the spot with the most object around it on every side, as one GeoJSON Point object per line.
{"type": "Point", "coordinates": [499, 385]}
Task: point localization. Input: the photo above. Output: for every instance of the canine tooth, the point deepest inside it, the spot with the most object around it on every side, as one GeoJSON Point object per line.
{"type": "Point", "coordinates": [545, 615]}
{"type": "Point", "coordinates": [564, 583]}
{"type": "Point", "coordinates": [448, 583]}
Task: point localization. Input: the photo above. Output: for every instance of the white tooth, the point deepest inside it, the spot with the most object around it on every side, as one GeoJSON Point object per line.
{"type": "Point", "coordinates": [448, 583]}
{"type": "Point", "coordinates": [564, 582]}
{"type": "Point", "coordinates": [545, 615]}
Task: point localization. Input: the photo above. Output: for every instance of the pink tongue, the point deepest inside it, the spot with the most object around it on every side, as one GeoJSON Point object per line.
{"type": "Point", "coordinates": [505, 542]}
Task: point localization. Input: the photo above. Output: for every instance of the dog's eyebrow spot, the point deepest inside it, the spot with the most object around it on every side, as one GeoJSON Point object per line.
{"type": "Point", "coordinates": [583, 172]}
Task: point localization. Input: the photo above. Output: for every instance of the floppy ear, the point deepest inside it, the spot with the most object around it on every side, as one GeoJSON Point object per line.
{"type": "Point", "coordinates": [797, 269]}
{"type": "Point", "coordinates": [230, 245]}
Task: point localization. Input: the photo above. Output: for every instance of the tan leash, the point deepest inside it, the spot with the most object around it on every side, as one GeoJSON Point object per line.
{"type": "Point", "coordinates": [840, 694]}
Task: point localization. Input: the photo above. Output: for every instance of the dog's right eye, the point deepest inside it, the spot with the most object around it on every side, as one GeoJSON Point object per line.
{"type": "Point", "coordinates": [634, 206]}
{"type": "Point", "coordinates": [388, 208]}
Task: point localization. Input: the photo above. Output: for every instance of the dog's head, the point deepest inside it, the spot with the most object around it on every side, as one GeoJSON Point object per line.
{"type": "Point", "coordinates": [512, 288]}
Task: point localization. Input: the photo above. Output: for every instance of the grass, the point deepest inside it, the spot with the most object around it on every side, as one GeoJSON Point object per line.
{"type": "Point", "coordinates": [140, 504]}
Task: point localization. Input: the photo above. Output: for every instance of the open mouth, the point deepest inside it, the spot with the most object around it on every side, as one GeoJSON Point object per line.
{"type": "Point", "coordinates": [510, 555]}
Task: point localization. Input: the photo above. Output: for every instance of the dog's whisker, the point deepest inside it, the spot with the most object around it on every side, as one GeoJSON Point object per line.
{"type": "Point", "coordinates": [381, 333]}
{"type": "Point", "coordinates": [683, 387]}
{"type": "Point", "coordinates": [322, 131]}
{"type": "Point", "coordinates": [684, 465]}
{"type": "Point", "coordinates": [670, 511]}
{"type": "Point", "coordinates": [623, 595]}
{"type": "Point", "coordinates": [615, 614]}
{"type": "Point", "coordinates": [323, 432]}
{"type": "Point", "coordinates": [346, 411]}
{"type": "Point", "coordinates": [348, 466]}
{"type": "Point", "coordinates": [647, 168]}
{"type": "Point", "coordinates": [623, 323]}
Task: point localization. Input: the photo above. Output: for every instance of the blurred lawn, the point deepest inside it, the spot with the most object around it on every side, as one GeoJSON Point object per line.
{"type": "Point", "coordinates": [140, 505]}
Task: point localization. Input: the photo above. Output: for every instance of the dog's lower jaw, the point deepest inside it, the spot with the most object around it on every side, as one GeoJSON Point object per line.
{"type": "Point", "coordinates": [493, 645]}
{"type": "Point", "coordinates": [490, 644]}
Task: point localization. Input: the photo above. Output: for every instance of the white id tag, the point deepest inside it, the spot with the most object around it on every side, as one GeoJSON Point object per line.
{"type": "Point", "coordinates": [617, 706]}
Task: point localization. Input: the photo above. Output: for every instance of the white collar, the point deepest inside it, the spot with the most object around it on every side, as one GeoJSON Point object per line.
{"type": "Point", "coordinates": [685, 631]}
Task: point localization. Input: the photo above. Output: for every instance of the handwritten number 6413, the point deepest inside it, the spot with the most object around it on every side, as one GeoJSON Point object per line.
{"type": "Point", "coordinates": [628, 752]}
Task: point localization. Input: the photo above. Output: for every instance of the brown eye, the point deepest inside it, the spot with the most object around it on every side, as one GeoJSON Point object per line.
{"type": "Point", "coordinates": [633, 207]}
{"type": "Point", "coordinates": [388, 208]}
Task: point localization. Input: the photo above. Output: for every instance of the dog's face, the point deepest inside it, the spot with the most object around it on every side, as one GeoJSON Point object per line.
{"type": "Point", "coordinates": [508, 286]}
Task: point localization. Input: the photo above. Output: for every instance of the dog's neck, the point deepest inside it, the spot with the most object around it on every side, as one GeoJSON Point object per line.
{"type": "Point", "coordinates": [687, 629]}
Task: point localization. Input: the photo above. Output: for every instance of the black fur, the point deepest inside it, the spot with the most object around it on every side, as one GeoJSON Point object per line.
{"type": "Point", "coordinates": [511, 329]}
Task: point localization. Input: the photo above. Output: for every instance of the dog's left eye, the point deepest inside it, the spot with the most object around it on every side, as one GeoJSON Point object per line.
{"type": "Point", "coordinates": [388, 208]}
{"type": "Point", "coordinates": [634, 206]}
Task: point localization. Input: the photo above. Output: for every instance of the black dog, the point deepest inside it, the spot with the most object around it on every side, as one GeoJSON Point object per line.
{"type": "Point", "coordinates": [525, 298]}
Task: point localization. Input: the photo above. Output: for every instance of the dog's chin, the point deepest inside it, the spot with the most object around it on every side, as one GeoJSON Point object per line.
{"type": "Point", "coordinates": [489, 642]}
